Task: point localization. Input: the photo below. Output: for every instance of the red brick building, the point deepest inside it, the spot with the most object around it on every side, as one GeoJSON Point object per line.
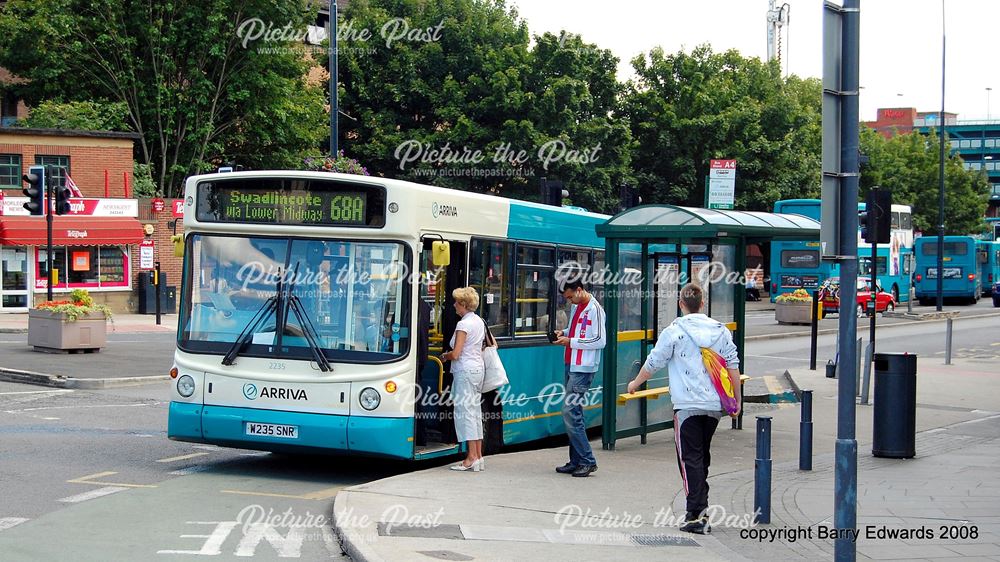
{"type": "Point", "coordinates": [95, 245]}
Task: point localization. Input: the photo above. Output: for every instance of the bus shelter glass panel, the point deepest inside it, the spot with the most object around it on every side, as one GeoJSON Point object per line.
{"type": "Point", "coordinates": [633, 289]}
{"type": "Point", "coordinates": [666, 289]}
{"type": "Point", "coordinates": [724, 281]}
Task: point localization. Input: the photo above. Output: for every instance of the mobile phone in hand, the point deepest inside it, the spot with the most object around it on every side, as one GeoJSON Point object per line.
{"type": "Point", "coordinates": [552, 337]}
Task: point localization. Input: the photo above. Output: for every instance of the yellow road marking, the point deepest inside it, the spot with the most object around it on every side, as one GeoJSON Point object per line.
{"type": "Point", "coordinates": [89, 479]}
{"type": "Point", "coordinates": [318, 495]}
{"type": "Point", "coordinates": [772, 384]}
{"type": "Point", "coordinates": [182, 457]}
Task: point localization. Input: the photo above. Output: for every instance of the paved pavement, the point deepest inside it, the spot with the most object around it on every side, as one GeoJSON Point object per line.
{"type": "Point", "coordinates": [519, 508]}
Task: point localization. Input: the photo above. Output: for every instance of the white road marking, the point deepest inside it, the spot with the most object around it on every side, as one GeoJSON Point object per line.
{"type": "Point", "coordinates": [8, 522]}
{"type": "Point", "coordinates": [205, 447]}
{"type": "Point", "coordinates": [83, 406]}
{"type": "Point", "coordinates": [96, 493]}
{"type": "Point", "coordinates": [50, 419]}
{"type": "Point", "coordinates": [36, 392]}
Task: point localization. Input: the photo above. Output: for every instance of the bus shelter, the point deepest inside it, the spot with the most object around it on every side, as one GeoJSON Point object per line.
{"type": "Point", "coordinates": [651, 251]}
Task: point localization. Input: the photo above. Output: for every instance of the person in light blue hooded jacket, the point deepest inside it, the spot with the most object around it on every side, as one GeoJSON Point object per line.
{"type": "Point", "coordinates": [696, 403]}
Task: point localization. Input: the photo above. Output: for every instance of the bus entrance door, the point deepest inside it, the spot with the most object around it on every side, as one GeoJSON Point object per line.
{"type": "Point", "coordinates": [434, 428]}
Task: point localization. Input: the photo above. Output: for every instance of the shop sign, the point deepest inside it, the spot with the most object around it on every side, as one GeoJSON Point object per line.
{"type": "Point", "coordinates": [14, 206]}
{"type": "Point", "coordinates": [158, 205]}
{"type": "Point", "coordinates": [147, 248]}
{"type": "Point", "coordinates": [178, 207]}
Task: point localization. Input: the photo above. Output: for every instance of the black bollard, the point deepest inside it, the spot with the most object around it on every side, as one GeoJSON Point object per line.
{"type": "Point", "coordinates": [806, 432]}
{"type": "Point", "coordinates": [762, 476]}
{"type": "Point", "coordinates": [814, 331]}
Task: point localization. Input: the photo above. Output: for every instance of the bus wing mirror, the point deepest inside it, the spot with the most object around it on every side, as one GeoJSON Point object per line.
{"type": "Point", "coordinates": [440, 253]}
{"type": "Point", "coordinates": [178, 241]}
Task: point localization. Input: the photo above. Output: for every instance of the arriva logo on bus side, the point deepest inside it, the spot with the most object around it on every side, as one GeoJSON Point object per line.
{"type": "Point", "coordinates": [443, 210]}
{"type": "Point", "coordinates": [250, 391]}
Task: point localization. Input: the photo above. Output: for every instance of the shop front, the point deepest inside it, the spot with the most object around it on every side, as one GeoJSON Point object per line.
{"type": "Point", "coordinates": [90, 250]}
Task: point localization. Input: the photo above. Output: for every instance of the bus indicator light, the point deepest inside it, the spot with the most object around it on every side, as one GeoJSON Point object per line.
{"type": "Point", "coordinates": [390, 387]}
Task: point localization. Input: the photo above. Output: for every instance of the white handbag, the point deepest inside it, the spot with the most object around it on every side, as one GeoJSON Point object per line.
{"type": "Point", "coordinates": [494, 375]}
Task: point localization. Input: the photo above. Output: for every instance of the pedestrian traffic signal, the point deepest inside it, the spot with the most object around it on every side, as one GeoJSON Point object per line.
{"type": "Point", "coordinates": [35, 178]}
{"type": "Point", "coordinates": [876, 220]}
{"type": "Point", "coordinates": [62, 194]}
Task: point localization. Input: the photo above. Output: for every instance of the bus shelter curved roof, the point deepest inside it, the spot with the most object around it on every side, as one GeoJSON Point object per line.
{"type": "Point", "coordinates": [670, 221]}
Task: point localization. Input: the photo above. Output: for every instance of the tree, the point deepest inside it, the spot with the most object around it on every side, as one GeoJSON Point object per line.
{"type": "Point", "coordinates": [908, 166]}
{"type": "Point", "coordinates": [81, 115]}
{"type": "Point", "coordinates": [688, 108]}
{"type": "Point", "coordinates": [201, 81]}
{"type": "Point", "coordinates": [465, 103]}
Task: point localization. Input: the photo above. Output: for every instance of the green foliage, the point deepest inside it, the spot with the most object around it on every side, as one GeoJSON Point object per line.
{"type": "Point", "coordinates": [80, 304]}
{"type": "Point", "coordinates": [197, 90]}
{"type": "Point", "coordinates": [142, 181]}
{"type": "Point", "coordinates": [81, 115]}
{"type": "Point", "coordinates": [909, 166]}
{"type": "Point", "coordinates": [476, 85]}
{"type": "Point", "coordinates": [688, 108]}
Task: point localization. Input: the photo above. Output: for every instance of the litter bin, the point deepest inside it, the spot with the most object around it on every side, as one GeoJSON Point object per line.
{"type": "Point", "coordinates": [895, 415]}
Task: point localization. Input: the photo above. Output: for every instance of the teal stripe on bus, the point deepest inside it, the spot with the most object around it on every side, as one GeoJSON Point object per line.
{"type": "Point", "coordinates": [553, 225]}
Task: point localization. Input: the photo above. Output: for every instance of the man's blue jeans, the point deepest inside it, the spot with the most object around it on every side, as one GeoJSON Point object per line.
{"type": "Point", "coordinates": [577, 385]}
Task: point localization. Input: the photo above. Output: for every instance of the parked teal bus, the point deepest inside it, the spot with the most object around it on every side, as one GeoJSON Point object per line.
{"type": "Point", "coordinates": [797, 265]}
{"type": "Point", "coordinates": [962, 273]}
{"type": "Point", "coordinates": [989, 264]}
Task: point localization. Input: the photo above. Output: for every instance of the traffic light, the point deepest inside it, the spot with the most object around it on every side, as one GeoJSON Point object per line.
{"type": "Point", "coordinates": [629, 196]}
{"type": "Point", "coordinates": [552, 192]}
{"type": "Point", "coordinates": [35, 178]}
{"type": "Point", "coordinates": [876, 220]}
{"type": "Point", "coordinates": [61, 195]}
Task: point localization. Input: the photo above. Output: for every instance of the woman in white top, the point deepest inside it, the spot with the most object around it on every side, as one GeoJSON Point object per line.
{"type": "Point", "coordinates": [467, 368]}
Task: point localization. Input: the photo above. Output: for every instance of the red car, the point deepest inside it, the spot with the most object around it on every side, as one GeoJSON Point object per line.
{"type": "Point", "coordinates": [829, 294]}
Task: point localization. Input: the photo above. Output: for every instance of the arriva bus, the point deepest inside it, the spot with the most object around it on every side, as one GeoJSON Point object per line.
{"type": "Point", "coordinates": [988, 255]}
{"type": "Point", "coordinates": [300, 311]}
{"type": "Point", "coordinates": [961, 269]}
{"type": "Point", "coordinates": [797, 265]}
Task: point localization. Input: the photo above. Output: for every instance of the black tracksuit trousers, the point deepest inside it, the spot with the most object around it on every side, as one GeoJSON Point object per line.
{"type": "Point", "coordinates": [693, 441]}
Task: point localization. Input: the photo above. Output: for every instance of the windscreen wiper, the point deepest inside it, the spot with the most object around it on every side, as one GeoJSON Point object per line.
{"type": "Point", "coordinates": [269, 306]}
{"type": "Point", "coordinates": [308, 328]}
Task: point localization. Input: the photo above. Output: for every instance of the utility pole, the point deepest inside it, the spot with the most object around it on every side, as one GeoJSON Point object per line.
{"type": "Point", "coordinates": [842, 38]}
{"type": "Point", "coordinates": [334, 107]}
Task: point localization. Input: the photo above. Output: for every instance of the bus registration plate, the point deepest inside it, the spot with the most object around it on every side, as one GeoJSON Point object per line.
{"type": "Point", "coordinates": [273, 430]}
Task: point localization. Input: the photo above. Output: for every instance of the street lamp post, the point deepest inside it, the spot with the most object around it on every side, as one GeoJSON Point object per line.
{"type": "Point", "coordinates": [940, 244]}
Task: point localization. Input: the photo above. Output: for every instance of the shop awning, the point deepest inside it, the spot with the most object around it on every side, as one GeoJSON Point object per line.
{"type": "Point", "coordinates": [70, 231]}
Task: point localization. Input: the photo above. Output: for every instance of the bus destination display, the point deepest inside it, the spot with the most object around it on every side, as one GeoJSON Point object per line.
{"type": "Point", "coordinates": [280, 204]}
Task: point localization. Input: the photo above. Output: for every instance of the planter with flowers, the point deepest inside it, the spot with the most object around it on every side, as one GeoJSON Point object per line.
{"type": "Point", "coordinates": [65, 325]}
{"type": "Point", "coordinates": [793, 308]}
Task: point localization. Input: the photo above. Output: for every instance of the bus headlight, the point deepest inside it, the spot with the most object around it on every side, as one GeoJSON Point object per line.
{"type": "Point", "coordinates": [185, 386]}
{"type": "Point", "coordinates": [370, 398]}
